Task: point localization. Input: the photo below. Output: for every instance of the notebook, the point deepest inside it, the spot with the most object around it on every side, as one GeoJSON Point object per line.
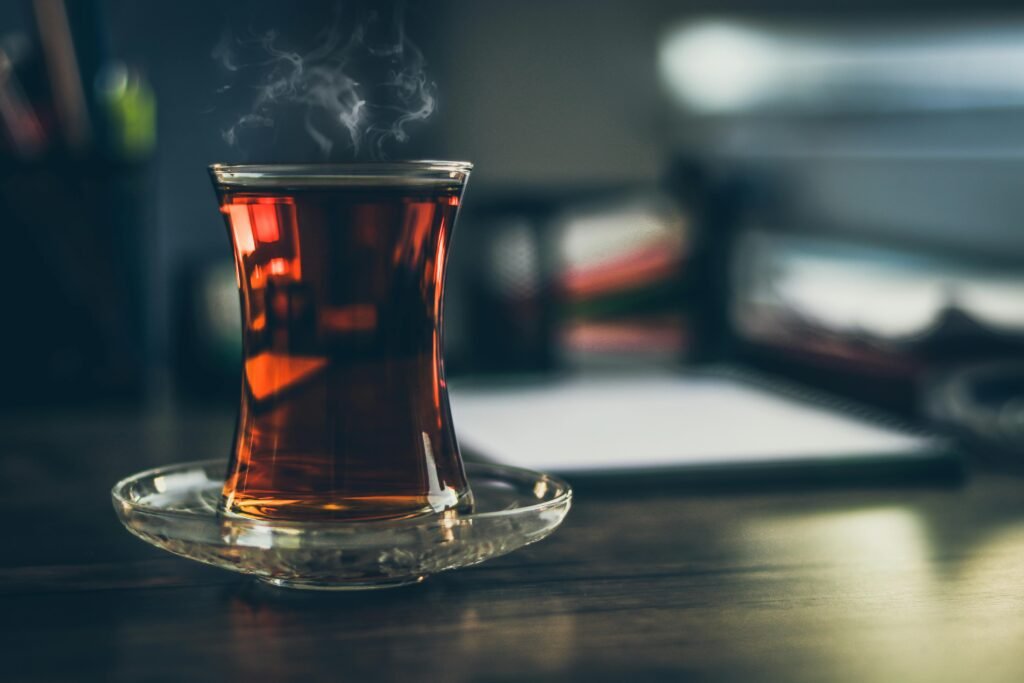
{"type": "Point", "coordinates": [687, 423]}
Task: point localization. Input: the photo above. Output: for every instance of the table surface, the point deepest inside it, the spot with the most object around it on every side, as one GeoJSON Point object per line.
{"type": "Point", "coordinates": [883, 584]}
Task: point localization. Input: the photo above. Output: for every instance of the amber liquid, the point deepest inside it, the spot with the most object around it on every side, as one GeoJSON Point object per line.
{"type": "Point", "coordinates": [344, 412]}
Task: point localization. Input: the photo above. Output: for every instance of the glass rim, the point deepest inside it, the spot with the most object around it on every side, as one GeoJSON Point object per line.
{"type": "Point", "coordinates": [384, 172]}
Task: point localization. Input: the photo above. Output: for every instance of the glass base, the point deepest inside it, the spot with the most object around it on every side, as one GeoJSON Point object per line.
{"type": "Point", "coordinates": [176, 508]}
{"type": "Point", "coordinates": [322, 508]}
{"type": "Point", "coordinates": [350, 586]}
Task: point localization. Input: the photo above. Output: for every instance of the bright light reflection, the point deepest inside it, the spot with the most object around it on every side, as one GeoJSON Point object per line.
{"type": "Point", "coordinates": [869, 572]}
{"type": "Point", "coordinates": [722, 66]}
{"type": "Point", "coordinates": [719, 66]}
{"type": "Point", "coordinates": [873, 540]}
{"type": "Point", "coordinates": [998, 304]}
{"type": "Point", "coordinates": [178, 481]}
{"type": "Point", "coordinates": [880, 301]}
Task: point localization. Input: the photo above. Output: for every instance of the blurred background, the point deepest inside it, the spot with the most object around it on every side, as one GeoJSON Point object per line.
{"type": "Point", "coordinates": [829, 197]}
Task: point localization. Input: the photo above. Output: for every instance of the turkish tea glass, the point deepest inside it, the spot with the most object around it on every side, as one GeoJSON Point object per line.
{"type": "Point", "coordinates": [344, 408]}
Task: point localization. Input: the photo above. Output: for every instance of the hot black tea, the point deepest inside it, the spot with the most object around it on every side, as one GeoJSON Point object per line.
{"type": "Point", "coordinates": [344, 411]}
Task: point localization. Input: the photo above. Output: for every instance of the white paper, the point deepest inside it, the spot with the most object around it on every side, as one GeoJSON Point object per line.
{"type": "Point", "coordinates": [590, 425]}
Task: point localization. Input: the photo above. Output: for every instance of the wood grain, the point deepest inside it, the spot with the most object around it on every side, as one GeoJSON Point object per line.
{"type": "Point", "coordinates": [890, 584]}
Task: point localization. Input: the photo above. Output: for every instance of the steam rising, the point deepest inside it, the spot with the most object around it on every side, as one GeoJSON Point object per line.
{"type": "Point", "coordinates": [339, 112]}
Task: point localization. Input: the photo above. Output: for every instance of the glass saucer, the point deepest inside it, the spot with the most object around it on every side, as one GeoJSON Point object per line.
{"type": "Point", "coordinates": [175, 508]}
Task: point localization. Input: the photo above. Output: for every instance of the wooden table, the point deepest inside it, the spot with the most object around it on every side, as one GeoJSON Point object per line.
{"type": "Point", "coordinates": [891, 584]}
